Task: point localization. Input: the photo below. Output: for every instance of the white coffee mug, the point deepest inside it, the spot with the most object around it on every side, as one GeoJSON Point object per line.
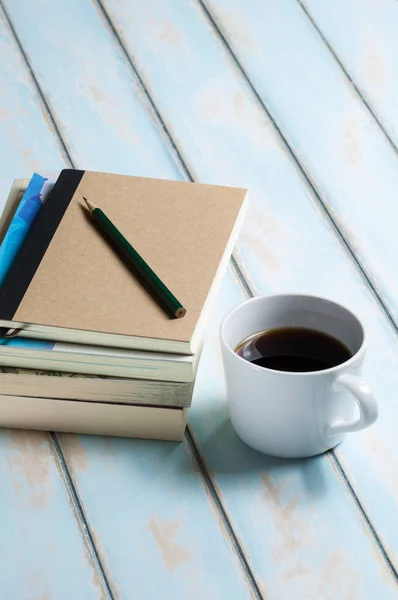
{"type": "Point", "coordinates": [290, 414]}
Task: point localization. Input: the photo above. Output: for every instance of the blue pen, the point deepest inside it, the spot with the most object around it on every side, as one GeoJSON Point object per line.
{"type": "Point", "coordinates": [25, 214]}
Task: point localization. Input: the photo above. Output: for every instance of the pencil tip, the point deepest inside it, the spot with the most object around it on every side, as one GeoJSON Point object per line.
{"type": "Point", "coordinates": [89, 205]}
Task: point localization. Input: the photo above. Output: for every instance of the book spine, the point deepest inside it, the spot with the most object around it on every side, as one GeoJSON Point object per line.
{"type": "Point", "coordinates": [94, 418]}
{"type": "Point", "coordinates": [28, 259]}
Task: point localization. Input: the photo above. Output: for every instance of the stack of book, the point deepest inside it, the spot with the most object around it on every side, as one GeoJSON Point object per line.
{"type": "Point", "coordinates": [86, 345]}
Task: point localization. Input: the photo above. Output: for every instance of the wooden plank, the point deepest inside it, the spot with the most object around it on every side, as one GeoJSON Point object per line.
{"type": "Point", "coordinates": [35, 507]}
{"type": "Point", "coordinates": [228, 140]}
{"type": "Point", "coordinates": [223, 132]}
{"type": "Point", "coordinates": [363, 35]}
{"type": "Point", "coordinates": [339, 144]}
{"type": "Point", "coordinates": [26, 135]}
{"type": "Point", "coordinates": [95, 102]}
{"type": "Point", "coordinates": [41, 545]}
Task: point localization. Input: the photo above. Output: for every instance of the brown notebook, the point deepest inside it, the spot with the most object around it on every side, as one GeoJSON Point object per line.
{"type": "Point", "coordinates": [67, 283]}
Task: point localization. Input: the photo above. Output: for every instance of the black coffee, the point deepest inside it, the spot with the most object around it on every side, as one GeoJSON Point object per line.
{"type": "Point", "coordinates": [294, 349]}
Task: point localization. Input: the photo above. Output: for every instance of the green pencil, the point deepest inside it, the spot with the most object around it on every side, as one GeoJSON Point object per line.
{"type": "Point", "coordinates": [166, 299]}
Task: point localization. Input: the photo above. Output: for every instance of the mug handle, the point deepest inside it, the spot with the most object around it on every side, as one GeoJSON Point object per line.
{"type": "Point", "coordinates": [368, 410]}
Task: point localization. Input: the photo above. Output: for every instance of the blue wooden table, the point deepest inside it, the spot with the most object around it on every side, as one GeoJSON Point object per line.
{"type": "Point", "coordinates": [298, 101]}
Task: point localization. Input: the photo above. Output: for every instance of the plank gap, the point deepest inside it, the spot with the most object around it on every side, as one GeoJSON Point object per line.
{"type": "Point", "coordinates": [208, 482]}
{"type": "Point", "coordinates": [357, 90]}
{"type": "Point", "coordinates": [332, 455]}
{"type": "Point", "coordinates": [79, 510]}
{"type": "Point", "coordinates": [240, 277]}
{"type": "Point", "coordinates": [42, 99]}
{"type": "Point", "coordinates": [154, 111]}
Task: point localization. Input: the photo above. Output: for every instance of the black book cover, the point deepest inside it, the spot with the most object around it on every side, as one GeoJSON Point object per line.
{"type": "Point", "coordinates": [36, 243]}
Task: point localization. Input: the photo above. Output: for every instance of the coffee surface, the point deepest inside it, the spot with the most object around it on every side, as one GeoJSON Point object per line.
{"type": "Point", "coordinates": [294, 349]}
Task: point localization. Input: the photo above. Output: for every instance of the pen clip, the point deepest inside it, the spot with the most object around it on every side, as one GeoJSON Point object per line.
{"type": "Point", "coordinates": [9, 333]}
